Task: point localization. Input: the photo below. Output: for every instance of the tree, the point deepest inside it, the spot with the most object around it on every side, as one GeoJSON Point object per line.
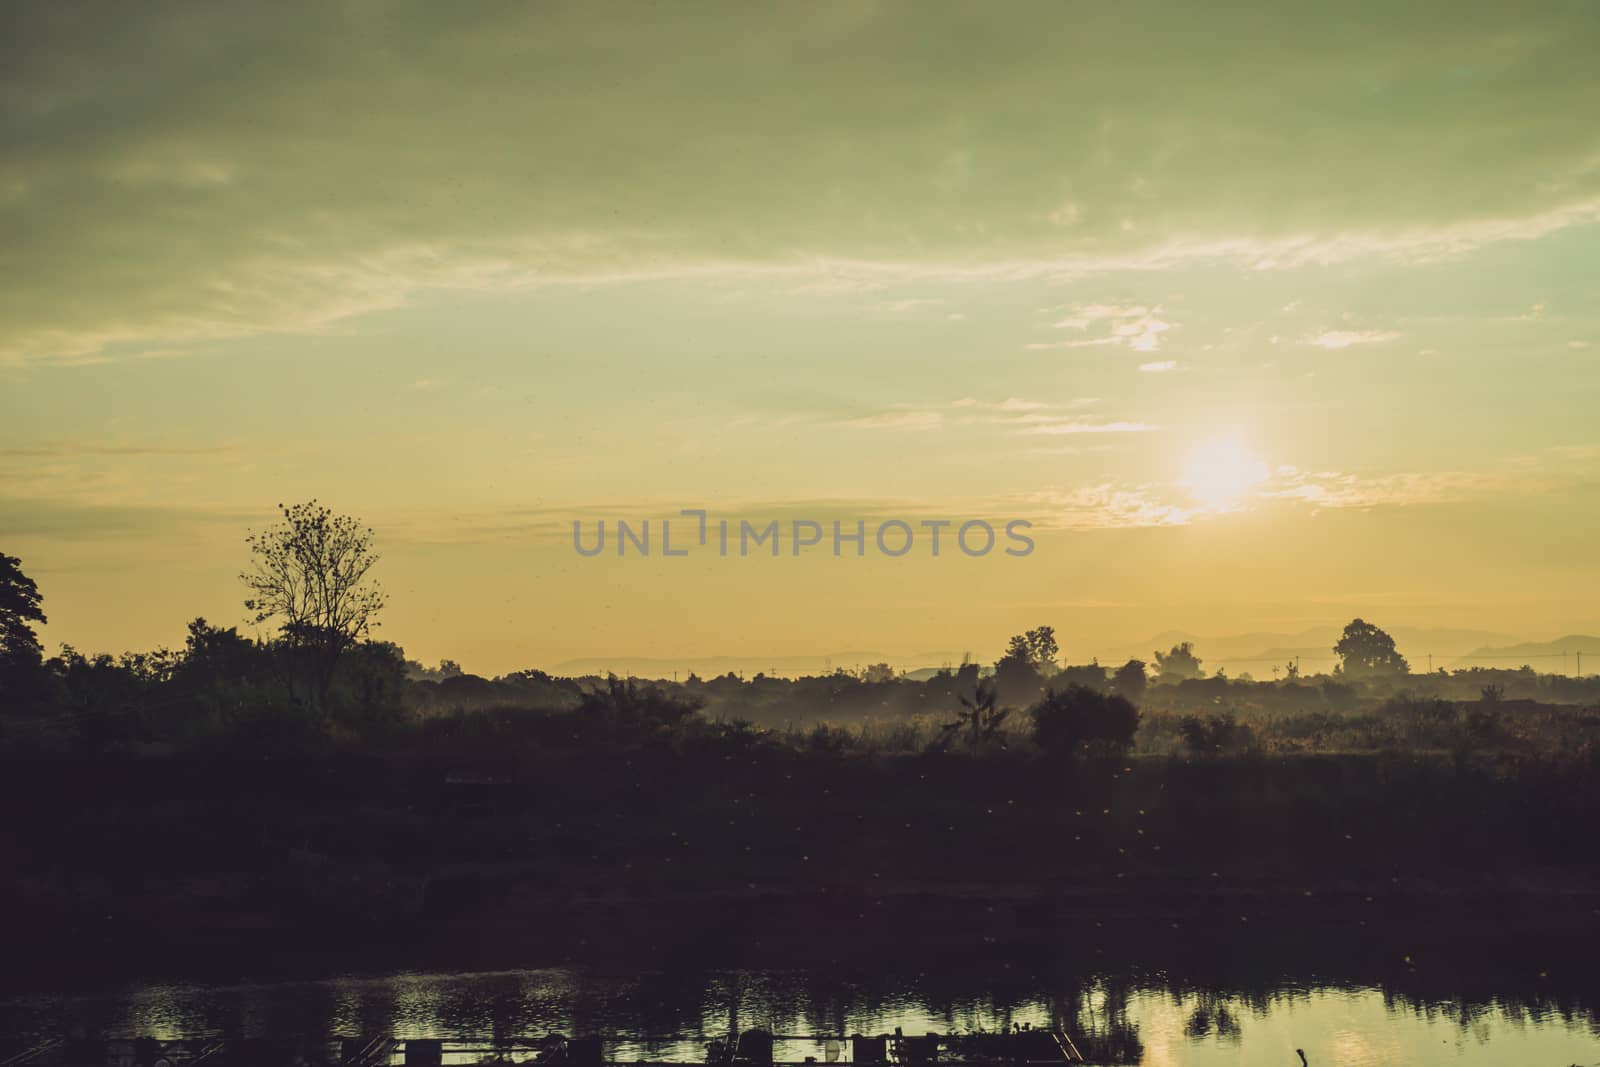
{"type": "Point", "coordinates": [1029, 658]}
{"type": "Point", "coordinates": [216, 654]}
{"type": "Point", "coordinates": [19, 605]}
{"type": "Point", "coordinates": [1037, 647]}
{"type": "Point", "coordinates": [311, 572]}
{"type": "Point", "coordinates": [23, 679]}
{"type": "Point", "coordinates": [1216, 735]}
{"type": "Point", "coordinates": [1016, 681]}
{"type": "Point", "coordinates": [1130, 680]}
{"type": "Point", "coordinates": [980, 720]}
{"type": "Point", "coordinates": [222, 665]}
{"type": "Point", "coordinates": [1088, 675]}
{"type": "Point", "coordinates": [629, 713]}
{"type": "Point", "coordinates": [1178, 664]}
{"type": "Point", "coordinates": [369, 683]}
{"type": "Point", "coordinates": [1076, 721]}
{"type": "Point", "coordinates": [877, 673]}
{"type": "Point", "coordinates": [1367, 652]}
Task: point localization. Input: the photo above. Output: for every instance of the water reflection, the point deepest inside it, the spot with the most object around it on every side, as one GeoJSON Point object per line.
{"type": "Point", "coordinates": [671, 1016]}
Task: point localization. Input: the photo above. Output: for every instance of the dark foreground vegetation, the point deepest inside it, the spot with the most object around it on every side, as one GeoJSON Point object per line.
{"type": "Point", "coordinates": [616, 811]}
{"type": "Point", "coordinates": [318, 793]}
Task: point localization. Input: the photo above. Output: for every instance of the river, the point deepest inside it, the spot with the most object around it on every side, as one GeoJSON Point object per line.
{"type": "Point", "coordinates": [1131, 1018]}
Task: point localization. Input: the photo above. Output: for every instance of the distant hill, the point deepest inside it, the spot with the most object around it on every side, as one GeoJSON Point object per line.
{"type": "Point", "coordinates": [661, 667]}
{"type": "Point", "coordinates": [1558, 656]}
{"type": "Point", "coordinates": [922, 674]}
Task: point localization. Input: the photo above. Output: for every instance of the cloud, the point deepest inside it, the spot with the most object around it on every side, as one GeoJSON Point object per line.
{"type": "Point", "coordinates": [118, 525]}
{"type": "Point", "coordinates": [897, 420]}
{"type": "Point", "coordinates": [1039, 417]}
{"type": "Point", "coordinates": [1106, 507]}
{"type": "Point", "coordinates": [1071, 426]}
{"type": "Point", "coordinates": [1067, 214]}
{"type": "Point", "coordinates": [1101, 505]}
{"type": "Point", "coordinates": [1137, 328]}
{"type": "Point", "coordinates": [1144, 335]}
{"type": "Point", "coordinates": [1122, 504]}
{"type": "Point", "coordinates": [1013, 413]}
{"type": "Point", "coordinates": [1085, 315]}
{"type": "Point", "coordinates": [1159, 366]}
{"type": "Point", "coordinates": [1331, 489]}
{"type": "Point", "coordinates": [1335, 339]}
{"type": "Point", "coordinates": [1113, 505]}
{"type": "Point", "coordinates": [178, 173]}
{"type": "Point", "coordinates": [1092, 342]}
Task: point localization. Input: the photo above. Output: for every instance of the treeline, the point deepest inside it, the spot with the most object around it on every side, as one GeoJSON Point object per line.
{"type": "Point", "coordinates": [317, 681]}
{"type": "Point", "coordinates": [226, 693]}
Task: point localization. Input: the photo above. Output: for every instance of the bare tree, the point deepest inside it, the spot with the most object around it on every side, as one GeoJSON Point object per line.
{"type": "Point", "coordinates": [310, 572]}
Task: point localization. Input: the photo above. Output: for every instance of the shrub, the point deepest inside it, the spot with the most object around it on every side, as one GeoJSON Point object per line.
{"type": "Point", "coordinates": [1215, 735]}
{"type": "Point", "coordinates": [1080, 721]}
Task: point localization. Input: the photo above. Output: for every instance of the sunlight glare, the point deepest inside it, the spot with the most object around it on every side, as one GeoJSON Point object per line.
{"type": "Point", "coordinates": [1219, 473]}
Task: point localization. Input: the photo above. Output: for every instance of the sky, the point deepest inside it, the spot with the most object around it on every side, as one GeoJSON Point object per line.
{"type": "Point", "coordinates": [1264, 316]}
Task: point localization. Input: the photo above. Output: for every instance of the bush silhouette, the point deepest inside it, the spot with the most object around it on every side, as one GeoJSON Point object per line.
{"type": "Point", "coordinates": [1081, 721]}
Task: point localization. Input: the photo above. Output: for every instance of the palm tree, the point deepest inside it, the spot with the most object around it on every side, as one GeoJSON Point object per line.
{"type": "Point", "coordinates": [981, 719]}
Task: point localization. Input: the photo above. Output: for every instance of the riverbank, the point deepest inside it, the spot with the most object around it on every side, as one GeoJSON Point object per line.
{"type": "Point", "coordinates": [120, 869]}
{"type": "Point", "coordinates": [1432, 946]}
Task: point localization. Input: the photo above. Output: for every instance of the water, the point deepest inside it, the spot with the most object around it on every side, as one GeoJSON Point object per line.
{"type": "Point", "coordinates": [1147, 1019]}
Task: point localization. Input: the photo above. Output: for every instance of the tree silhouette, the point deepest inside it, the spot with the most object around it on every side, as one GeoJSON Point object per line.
{"type": "Point", "coordinates": [1029, 658]}
{"type": "Point", "coordinates": [1037, 647]}
{"type": "Point", "coordinates": [311, 573]}
{"type": "Point", "coordinates": [1215, 735]}
{"type": "Point", "coordinates": [980, 719]}
{"type": "Point", "coordinates": [1130, 680]}
{"type": "Point", "coordinates": [19, 605]}
{"type": "Point", "coordinates": [1179, 663]}
{"type": "Point", "coordinates": [877, 673]}
{"type": "Point", "coordinates": [1367, 652]}
{"type": "Point", "coordinates": [1076, 720]}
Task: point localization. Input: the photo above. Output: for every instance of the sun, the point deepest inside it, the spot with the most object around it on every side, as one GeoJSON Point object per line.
{"type": "Point", "coordinates": [1221, 472]}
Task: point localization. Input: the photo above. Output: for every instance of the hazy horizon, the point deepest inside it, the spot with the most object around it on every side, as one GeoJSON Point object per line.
{"type": "Point", "coordinates": [1262, 655]}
